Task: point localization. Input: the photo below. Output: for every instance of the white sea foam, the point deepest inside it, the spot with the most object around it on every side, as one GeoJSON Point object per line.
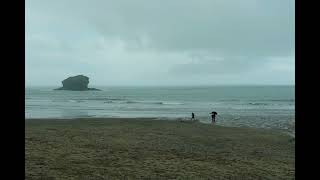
{"type": "Point", "coordinates": [250, 106]}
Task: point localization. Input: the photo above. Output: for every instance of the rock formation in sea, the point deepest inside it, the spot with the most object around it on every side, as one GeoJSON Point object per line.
{"type": "Point", "coordinates": [76, 83]}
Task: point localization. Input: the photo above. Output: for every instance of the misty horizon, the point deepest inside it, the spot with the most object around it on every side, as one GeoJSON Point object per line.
{"type": "Point", "coordinates": [177, 85]}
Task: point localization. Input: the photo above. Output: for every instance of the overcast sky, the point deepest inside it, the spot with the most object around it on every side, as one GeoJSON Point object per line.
{"type": "Point", "coordinates": [160, 42]}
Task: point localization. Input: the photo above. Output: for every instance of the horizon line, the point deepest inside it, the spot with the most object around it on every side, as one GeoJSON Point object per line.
{"type": "Point", "coordinates": [170, 85]}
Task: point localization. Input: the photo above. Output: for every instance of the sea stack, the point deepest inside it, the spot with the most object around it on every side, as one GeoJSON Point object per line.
{"type": "Point", "coordinates": [76, 83]}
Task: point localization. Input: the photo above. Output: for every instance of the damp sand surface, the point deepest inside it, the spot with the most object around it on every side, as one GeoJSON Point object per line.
{"type": "Point", "coordinates": [145, 148]}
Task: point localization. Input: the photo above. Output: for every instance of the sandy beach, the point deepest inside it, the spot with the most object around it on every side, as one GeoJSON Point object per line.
{"type": "Point", "coordinates": [127, 148]}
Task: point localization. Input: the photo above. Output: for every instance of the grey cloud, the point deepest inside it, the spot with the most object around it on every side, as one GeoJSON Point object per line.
{"type": "Point", "coordinates": [215, 66]}
{"type": "Point", "coordinates": [247, 27]}
{"type": "Point", "coordinates": [142, 40]}
{"type": "Point", "coordinates": [250, 28]}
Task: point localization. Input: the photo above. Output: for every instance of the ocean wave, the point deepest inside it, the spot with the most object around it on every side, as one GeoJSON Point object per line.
{"type": "Point", "coordinates": [75, 100]}
{"type": "Point", "coordinates": [172, 103]}
{"type": "Point", "coordinates": [102, 99]}
{"type": "Point", "coordinates": [108, 102]}
{"type": "Point", "coordinates": [142, 102]}
{"type": "Point", "coordinates": [278, 100]}
{"type": "Point", "coordinates": [285, 100]}
{"type": "Point", "coordinates": [87, 99]}
{"type": "Point", "coordinates": [153, 102]}
{"type": "Point", "coordinates": [59, 100]}
{"type": "Point", "coordinates": [256, 100]}
{"type": "Point", "coordinates": [229, 100]}
{"type": "Point", "coordinates": [259, 104]}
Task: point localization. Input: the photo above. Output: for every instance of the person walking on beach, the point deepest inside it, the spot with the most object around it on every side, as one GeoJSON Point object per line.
{"type": "Point", "coordinates": [213, 116]}
{"type": "Point", "coordinates": [192, 116]}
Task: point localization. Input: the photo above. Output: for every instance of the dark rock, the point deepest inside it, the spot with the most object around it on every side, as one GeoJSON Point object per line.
{"type": "Point", "coordinates": [76, 83]}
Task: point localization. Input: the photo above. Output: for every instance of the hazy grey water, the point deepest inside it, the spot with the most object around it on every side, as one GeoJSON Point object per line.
{"type": "Point", "coordinates": [256, 106]}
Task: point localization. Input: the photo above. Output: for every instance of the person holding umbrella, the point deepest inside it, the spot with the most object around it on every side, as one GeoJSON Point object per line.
{"type": "Point", "coordinates": [213, 116]}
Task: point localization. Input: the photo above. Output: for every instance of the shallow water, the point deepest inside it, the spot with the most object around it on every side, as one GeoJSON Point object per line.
{"type": "Point", "coordinates": [254, 106]}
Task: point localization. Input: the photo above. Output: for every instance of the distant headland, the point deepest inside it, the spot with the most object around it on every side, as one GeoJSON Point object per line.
{"type": "Point", "coordinates": [76, 83]}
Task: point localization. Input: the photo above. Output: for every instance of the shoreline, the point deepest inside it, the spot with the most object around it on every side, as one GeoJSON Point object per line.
{"type": "Point", "coordinates": [174, 119]}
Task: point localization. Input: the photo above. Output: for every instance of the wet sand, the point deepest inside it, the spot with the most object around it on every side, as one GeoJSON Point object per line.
{"type": "Point", "coordinates": [127, 148]}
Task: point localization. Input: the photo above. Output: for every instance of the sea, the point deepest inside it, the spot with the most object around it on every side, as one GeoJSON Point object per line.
{"type": "Point", "coordinates": [244, 106]}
